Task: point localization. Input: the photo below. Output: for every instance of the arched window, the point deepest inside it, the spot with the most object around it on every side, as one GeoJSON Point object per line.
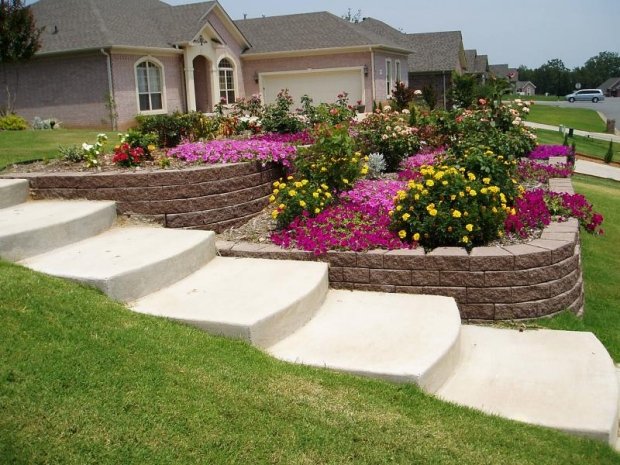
{"type": "Point", "coordinates": [227, 81]}
{"type": "Point", "coordinates": [149, 85]}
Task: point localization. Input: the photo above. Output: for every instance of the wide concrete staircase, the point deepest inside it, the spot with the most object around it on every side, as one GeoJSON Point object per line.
{"type": "Point", "coordinates": [558, 379]}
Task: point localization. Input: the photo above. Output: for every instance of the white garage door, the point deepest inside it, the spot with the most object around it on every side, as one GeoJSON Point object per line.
{"type": "Point", "coordinates": [321, 85]}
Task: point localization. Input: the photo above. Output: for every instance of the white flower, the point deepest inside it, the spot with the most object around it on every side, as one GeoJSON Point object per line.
{"type": "Point", "coordinates": [387, 109]}
{"type": "Point", "coordinates": [525, 110]}
{"type": "Point", "coordinates": [417, 92]}
{"type": "Point", "coordinates": [102, 136]}
{"type": "Point", "coordinates": [384, 136]}
{"type": "Point", "coordinates": [518, 100]}
{"type": "Point", "coordinates": [86, 147]}
{"type": "Point", "coordinates": [405, 112]}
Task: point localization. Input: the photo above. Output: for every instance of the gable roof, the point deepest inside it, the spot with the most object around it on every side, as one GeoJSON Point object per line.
{"type": "Point", "coordinates": [435, 51]}
{"type": "Point", "coordinates": [90, 24]}
{"type": "Point", "coordinates": [610, 83]}
{"type": "Point", "coordinates": [482, 64]}
{"type": "Point", "coordinates": [309, 31]}
{"type": "Point", "coordinates": [522, 84]}
{"type": "Point", "coordinates": [470, 59]}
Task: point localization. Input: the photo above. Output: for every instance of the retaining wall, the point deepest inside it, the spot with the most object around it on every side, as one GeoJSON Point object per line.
{"type": "Point", "coordinates": [212, 197]}
{"type": "Point", "coordinates": [530, 280]}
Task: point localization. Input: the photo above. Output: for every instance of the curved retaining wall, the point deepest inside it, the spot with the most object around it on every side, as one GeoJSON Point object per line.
{"type": "Point", "coordinates": [212, 197]}
{"type": "Point", "coordinates": [530, 280]}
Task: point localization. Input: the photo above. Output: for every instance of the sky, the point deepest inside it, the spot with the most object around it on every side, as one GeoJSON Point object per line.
{"type": "Point", "coordinates": [523, 32]}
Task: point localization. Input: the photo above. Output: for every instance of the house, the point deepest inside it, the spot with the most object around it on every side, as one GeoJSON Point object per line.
{"type": "Point", "coordinates": [434, 56]}
{"type": "Point", "coordinates": [611, 87]}
{"type": "Point", "coordinates": [102, 62]}
{"type": "Point", "coordinates": [504, 72]}
{"type": "Point", "coordinates": [477, 65]}
{"type": "Point", "coordinates": [525, 88]}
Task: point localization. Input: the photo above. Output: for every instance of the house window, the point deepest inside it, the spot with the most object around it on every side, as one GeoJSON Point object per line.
{"type": "Point", "coordinates": [397, 73]}
{"type": "Point", "coordinates": [388, 78]}
{"type": "Point", "coordinates": [150, 86]}
{"type": "Point", "coordinates": [227, 81]}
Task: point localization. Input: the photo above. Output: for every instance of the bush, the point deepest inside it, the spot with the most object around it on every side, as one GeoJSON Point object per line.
{"type": "Point", "coordinates": [388, 132]}
{"type": "Point", "coordinates": [277, 117]}
{"type": "Point", "coordinates": [146, 141]}
{"type": "Point", "coordinates": [402, 96]}
{"type": "Point", "coordinates": [609, 155]}
{"type": "Point", "coordinates": [71, 153]}
{"type": "Point", "coordinates": [376, 165]}
{"type": "Point", "coordinates": [87, 153]}
{"type": "Point", "coordinates": [172, 129]}
{"type": "Point", "coordinates": [12, 122]}
{"type": "Point", "coordinates": [449, 207]}
{"type": "Point", "coordinates": [126, 155]}
{"type": "Point", "coordinates": [50, 123]}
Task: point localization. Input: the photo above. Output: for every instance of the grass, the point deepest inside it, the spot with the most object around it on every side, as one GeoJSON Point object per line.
{"type": "Point", "coordinates": [601, 269]}
{"type": "Point", "coordinates": [21, 146]}
{"type": "Point", "coordinates": [577, 118]}
{"type": "Point", "coordinates": [84, 380]}
{"type": "Point", "coordinates": [595, 148]}
{"type": "Point", "coordinates": [540, 98]}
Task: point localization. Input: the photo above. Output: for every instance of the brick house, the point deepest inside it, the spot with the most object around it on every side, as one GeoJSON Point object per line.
{"type": "Point", "coordinates": [611, 87]}
{"type": "Point", "coordinates": [103, 62]}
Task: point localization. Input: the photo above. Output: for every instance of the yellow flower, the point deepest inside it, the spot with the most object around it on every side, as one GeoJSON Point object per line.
{"type": "Point", "coordinates": [471, 176]}
{"type": "Point", "coordinates": [328, 195]}
{"type": "Point", "coordinates": [317, 211]}
{"type": "Point", "coordinates": [272, 198]}
{"type": "Point", "coordinates": [469, 227]}
{"type": "Point", "coordinates": [416, 197]}
{"type": "Point", "coordinates": [401, 195]}
{"type": "Point", "coordinates": [402, 233]}
{"type": "Point", "coordinates": [484, 190]}
{"type": "Point", "coordinates": [276, 184]}
{"type": "Point", "coordinates": [430, 183]}
{"type": "Point", "coordinates": [399, 208]}
{"type": "Point", "coordinates": [465, 240]}
{"type": "Point", "coordinates": [276, 191]}
{"type": "Point", "coordinates": [453, 197]}
{"type": "Point", "coordinates": [406, 216]}
{"type": "Point", "coordinates": [445, 183]}
{"type": "Point", "coordinates": [315, 195]}
{"type": "Point", "coordinates": [151, 147]}
{"type": "Point", "coordinates": [292, 192]}
{"type": "Point", "coordinates": [391, 213]}
{"type": "Point", "coordinates": [282, 186]}
{"type": "Point", "coordinates": [472, 193]}
{"type": "Point", "coordinates": [416, 237]}
{"type": "Point", "coordinates": [461, 194]}
{"type": "Point", "coordinates": [281, 206]}
{"type": "Point", "coordinates": [274, 214]}
{"type": "Point", "coordinates": [433, 212]}
{"type": "Point", "coordinates": [456, 214]}
{"type": "Point", "coordinates": [290, 178]}
{"type": "Point", "coordinates": [345, 180]}
{"type": "Point", "coordinates": [325, 187]}
{"type": "Point", "coordinates": [486, 180]}
{"type": "Point", "coordinates": [298, 184]}
{"type": "Point", "coordinates": [302, 204]}
{"type": "Point", "coordinates": [304, 182]}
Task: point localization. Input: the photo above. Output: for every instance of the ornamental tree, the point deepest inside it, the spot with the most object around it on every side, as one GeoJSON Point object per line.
{"type": "Point", "coordinates": [19, 41]}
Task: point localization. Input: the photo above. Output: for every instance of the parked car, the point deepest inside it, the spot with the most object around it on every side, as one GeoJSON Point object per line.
{"type": "Point", "coordinates": [595, 95]}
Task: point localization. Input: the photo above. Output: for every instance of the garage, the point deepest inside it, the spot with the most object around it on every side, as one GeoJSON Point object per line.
{"type": "Point", "coordinates": [322, 85]}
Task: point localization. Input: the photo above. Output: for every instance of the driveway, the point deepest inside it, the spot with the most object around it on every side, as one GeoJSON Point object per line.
{"type": "Point", "coordinates": [610, 107]}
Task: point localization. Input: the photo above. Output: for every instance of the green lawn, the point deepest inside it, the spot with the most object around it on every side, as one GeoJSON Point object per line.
{"type": "Point", "coordinates": [577, 118]}
{"type": "Point", "coordinates": [84, 380]}
{"type": "Point", "coordinates": [16, 146]}
{"type": "Point", "coordinates": [601, 268]}
{"type": "Point", "coordinates": [540, 98]}
{"type": "Point", "coordinates": [584, 145]}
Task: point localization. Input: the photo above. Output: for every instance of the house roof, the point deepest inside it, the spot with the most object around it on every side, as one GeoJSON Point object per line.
{"type": "Point", "coordinates": [610, 83]}
{"type": "Point", "coordinates": [309, 31]}
{"type": "Point", "coordinates": [470, 59]}
{"type": "Point", "coordinates": [87, 24]}
{"type": "Point", "coordinates": [522, 84]}
{"type": "Point", "coordinates": [482, 64]}
{"type": "Point", "coordinates": [435, 51]}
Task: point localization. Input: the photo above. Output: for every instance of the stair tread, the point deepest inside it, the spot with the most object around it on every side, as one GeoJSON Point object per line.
{"type": "Point", "coordinates": [152, 256]}
{"type": "Point", "coordinates": [559, 379]}
{"type": "Point", "coordinates": [392, 336]}
{"type": "Point", "coordinates": [231, 295]}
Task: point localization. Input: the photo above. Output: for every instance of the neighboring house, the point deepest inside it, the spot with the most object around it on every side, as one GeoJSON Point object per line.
{"type": "Point", "coordinates": [477, 65]}
{"type": "Point", "coordinates": [525, 88]}
{"type": "Point", "coordinates": [102, 62]}
{"type": "Point", "coordinates": [504, 72]}
{"type": "Point", "coordinates": [434, 56]}
{"type": "Point", "coordinates": [611, 87]}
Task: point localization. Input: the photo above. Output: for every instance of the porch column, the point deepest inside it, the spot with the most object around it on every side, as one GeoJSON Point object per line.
{"type": "Point", "coordinates": [190, 88]}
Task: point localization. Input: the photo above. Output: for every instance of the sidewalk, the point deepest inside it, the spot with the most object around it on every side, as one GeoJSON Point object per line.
{"type": "Point", "coordinates": [593, 135]}
{"type": "Point", "coordinates": [600, 170]}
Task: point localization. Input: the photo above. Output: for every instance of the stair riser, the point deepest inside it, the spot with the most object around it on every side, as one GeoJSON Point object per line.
{"type": "Point", "coordinates": [271, 330]}
{"type": "Point", "coordinates": [434, 378]}
{"type": "Point", "coordinates": [137, 283]}
{"type": "Point", "coordinates": [22, 245]}
{"type": "Point", "coordinates": [13, 192]}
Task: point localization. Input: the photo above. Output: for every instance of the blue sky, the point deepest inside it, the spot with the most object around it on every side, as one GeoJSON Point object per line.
{"type": "Point", "coordinates": [528, 32]}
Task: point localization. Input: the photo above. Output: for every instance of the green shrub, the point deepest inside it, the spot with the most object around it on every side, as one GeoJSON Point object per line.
{"type": "Point", "coordinates": [277, 117]}
{"type": "Point", "coordinates": [609, 155]}
{"type": "Point", "coordinates": [172, 129]}
{"type": "Point", "coordinates": [71, 153]}
{"type": "Point", "coordinates": [389, 133]}
{"type": "Point", "coordinates": [146, 141]}
{"type": "Point", "coordinates": [12, 122]}
{"type": "Point", "coordinates": [449, 207]}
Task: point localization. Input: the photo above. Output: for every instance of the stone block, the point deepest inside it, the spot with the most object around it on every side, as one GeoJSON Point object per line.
{"type": "Point", "coordinates": [405, 259]}
{"type": "Point", "coordinates": [462, 278]}
{"type": "Point", "coordinates": [476, 295]}
{"type": "Point", "coordinates": [447, 258]}
{"type": "Point", "coordinates": [490, 259]}
{"type": "Point", "coordinates": [371, 258]}
{"type": "Point", "coordinates": [527, 256]}
{"type": "Point", "coordinates": [356, 275]}
{"type": "Point", "coordinates": [393, 277]}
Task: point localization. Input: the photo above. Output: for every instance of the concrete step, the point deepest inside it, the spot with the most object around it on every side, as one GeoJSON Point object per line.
{"type": "Point", "coordinates": [13, 191]}
{"type": "Point", "coordinates": [33, 228]}
{"type": "Point", "coordinates": [128, 263]}
{"type": "Point", "coordinates": [398, 337]}
{"type": "Point", "coordinates": [260, 301]}
{"type": "Point", "coordinates": [558, 379]}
